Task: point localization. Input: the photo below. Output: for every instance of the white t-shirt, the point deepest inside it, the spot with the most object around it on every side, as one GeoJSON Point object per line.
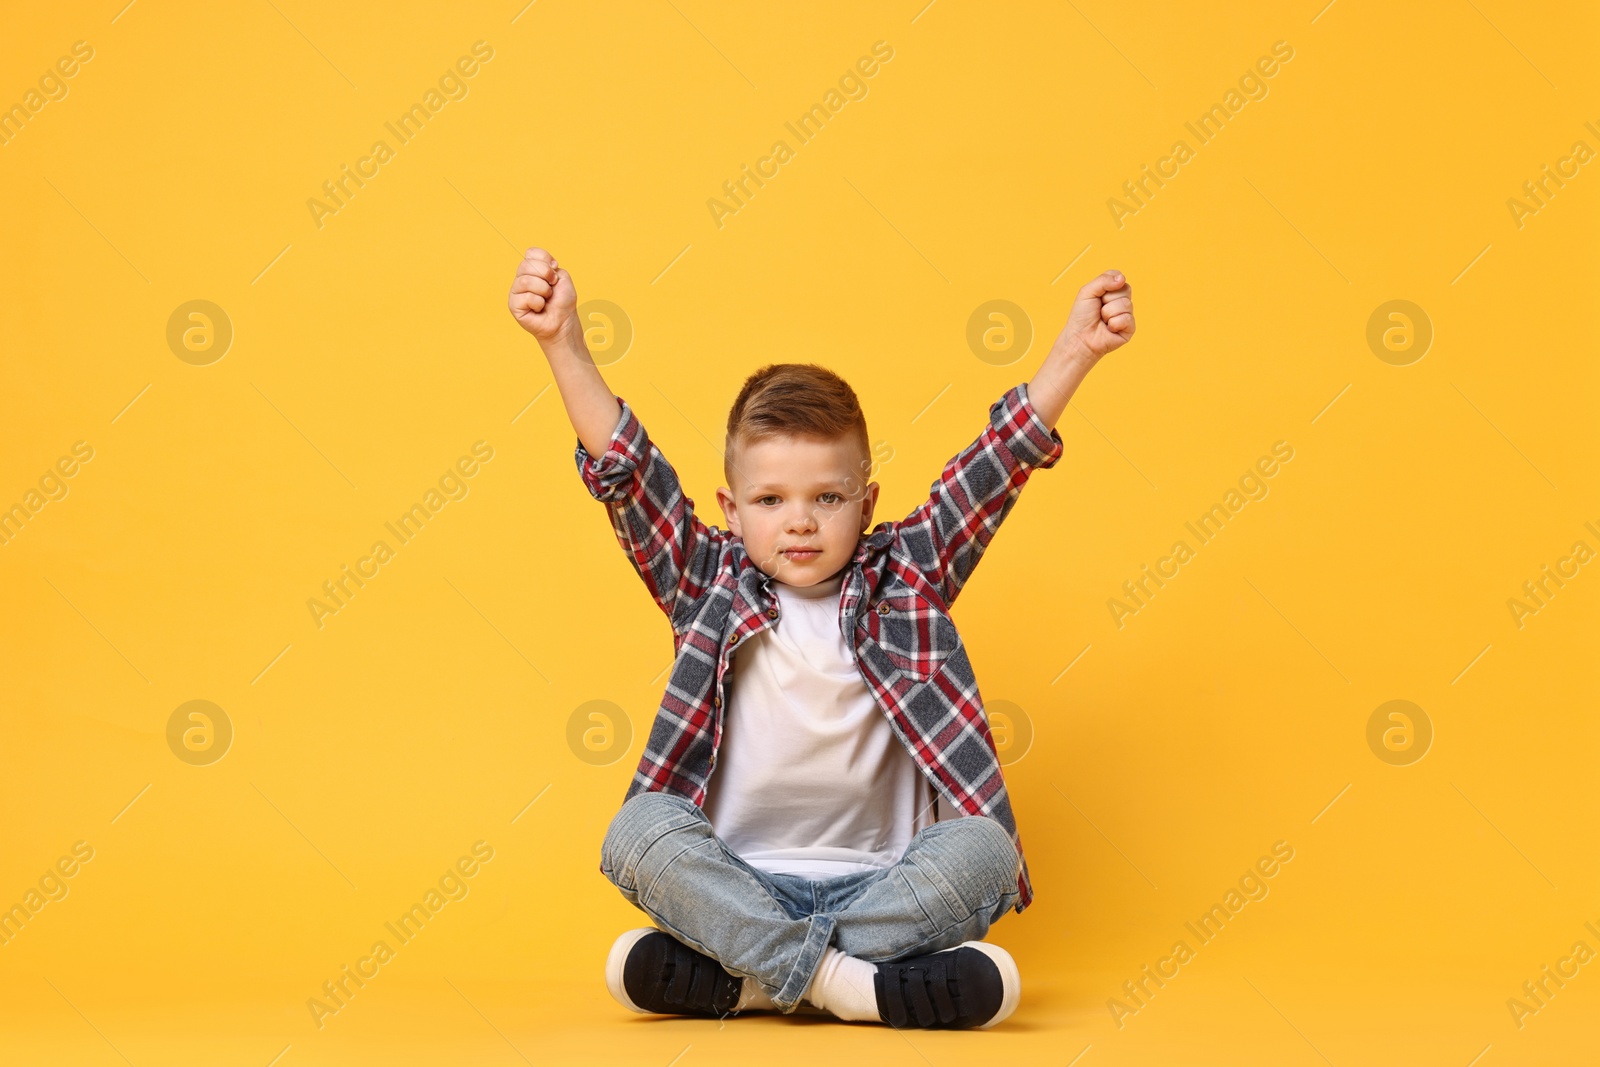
{"type": "Point", "coordinates": [810, 778]}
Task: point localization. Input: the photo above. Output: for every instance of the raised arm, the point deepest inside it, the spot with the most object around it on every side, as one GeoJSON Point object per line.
{"type": "Point", "coordinates": [947, 534]}
{"type": "Point", "coordinates": [672, 550]}
{"type": "Point", "coordinates": [1101, 321]}
{"type": "Point", "coordinates": [545, 303]}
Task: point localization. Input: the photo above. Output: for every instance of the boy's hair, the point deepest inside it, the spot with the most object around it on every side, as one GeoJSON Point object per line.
{"type": "Point", "coordinates": [794, 400]}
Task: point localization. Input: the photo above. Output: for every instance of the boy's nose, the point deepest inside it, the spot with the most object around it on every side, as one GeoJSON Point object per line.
{"type": "Point", "coordinates": [802, 522]}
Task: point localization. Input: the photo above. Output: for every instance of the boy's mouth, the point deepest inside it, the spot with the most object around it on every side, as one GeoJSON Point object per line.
{"type": "Point", "coordinates": [801, 555]}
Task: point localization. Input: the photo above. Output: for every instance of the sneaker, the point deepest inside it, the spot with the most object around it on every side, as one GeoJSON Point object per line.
{"type": "Point", "coordinates": [970, 987]}
{"type": "Point", "coordinates": [651, 972]}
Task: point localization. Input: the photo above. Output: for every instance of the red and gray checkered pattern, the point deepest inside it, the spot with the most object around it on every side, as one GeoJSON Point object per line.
{"type": "Point", "coordinates": [895, 606]}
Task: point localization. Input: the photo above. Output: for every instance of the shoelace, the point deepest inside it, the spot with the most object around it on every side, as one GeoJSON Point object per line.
{"type": "Point", "coordinates": [925, 995]}
{"type": "Point", "coordinates": [691, 980]}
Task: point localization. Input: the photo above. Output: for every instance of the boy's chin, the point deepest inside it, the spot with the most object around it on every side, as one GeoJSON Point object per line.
{"type": "Point", "coordinates": [801, 573]}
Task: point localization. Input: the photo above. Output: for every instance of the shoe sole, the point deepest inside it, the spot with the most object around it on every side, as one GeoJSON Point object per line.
{"type": "Point", "coordinates": [1010, 980]}
{"type": "Point", "coordinates": [617, 959]}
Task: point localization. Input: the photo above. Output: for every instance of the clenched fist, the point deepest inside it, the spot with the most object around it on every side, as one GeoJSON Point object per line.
{"type": "Point", "coordinates": [1101, 319]}
{"type": "Point", "coordinates": [543, 299]}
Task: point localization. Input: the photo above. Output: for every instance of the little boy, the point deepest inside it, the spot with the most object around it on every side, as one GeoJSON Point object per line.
{"type": "Point", "coordinates": [858, 842]}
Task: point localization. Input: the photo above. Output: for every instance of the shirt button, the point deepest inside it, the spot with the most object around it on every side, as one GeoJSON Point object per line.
{"type": "Point", "coordinates": [733, 640]}
{"type": "Point", "coordinates": [772, 613]}
{"type": "Point", "coordinates": [716, 702]}
{"type": "Point", "coordinates": [883, 608]}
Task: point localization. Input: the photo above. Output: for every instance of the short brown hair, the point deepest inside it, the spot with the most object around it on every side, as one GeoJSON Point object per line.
{"type": "Point", "coordinates": [794, 400]}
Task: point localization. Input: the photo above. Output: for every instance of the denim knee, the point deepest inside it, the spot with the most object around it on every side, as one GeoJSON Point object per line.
{"type": "Point", "coordinates": [990, 858]}
{"type": "Point", "coordinates": [644, 820]}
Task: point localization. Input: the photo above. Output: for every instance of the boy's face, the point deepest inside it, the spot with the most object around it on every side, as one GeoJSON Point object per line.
{"type": "Point", "coordinates": [796, 493]}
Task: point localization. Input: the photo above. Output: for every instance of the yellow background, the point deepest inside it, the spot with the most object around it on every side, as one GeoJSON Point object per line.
{"type": "Point", "coordinates": [370, 353]}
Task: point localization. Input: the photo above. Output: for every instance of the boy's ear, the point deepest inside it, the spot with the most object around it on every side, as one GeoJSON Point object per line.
{"type": "Point", "coordinates": [869, 501]}
{"type": "Point", "coordinates": [729, 510]}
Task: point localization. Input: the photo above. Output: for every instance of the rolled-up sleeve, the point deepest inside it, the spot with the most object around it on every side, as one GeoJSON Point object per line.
{"type": "Point", "coordinates": [608, 475]}
{"type": "Point", "coordinates": [947, 534]}
{"type": "Point", "coordinates": [675, 553]}
{"type": "Point", "coordinates": [1023, 431]}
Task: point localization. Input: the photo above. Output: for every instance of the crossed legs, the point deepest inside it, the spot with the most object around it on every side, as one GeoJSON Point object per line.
{"type": "Point", "coordinates": [955, 879]}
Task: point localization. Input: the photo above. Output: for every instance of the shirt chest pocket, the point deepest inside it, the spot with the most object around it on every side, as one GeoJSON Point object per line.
{"type": "Point", "coordinates": [915, 635]}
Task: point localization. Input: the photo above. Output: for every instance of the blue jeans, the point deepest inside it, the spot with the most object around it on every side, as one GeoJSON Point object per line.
{"type": "Point", "coordinates": [956, 878]}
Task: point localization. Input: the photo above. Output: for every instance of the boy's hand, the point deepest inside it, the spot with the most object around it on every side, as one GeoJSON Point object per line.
{"type": "Point", "coordinates": [543, 299]}
{"type": "Point", "coordinates": [1101, 319]}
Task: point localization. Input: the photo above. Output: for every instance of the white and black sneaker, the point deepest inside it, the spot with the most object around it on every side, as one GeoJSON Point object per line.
{"type": "Point", "coordinates": [970, 987]}
{"type": "Point", "coordinates": [652, 972]}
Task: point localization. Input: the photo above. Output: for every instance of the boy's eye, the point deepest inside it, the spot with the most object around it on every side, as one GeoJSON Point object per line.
{"type": "Point", "coordinates": [835, 498]}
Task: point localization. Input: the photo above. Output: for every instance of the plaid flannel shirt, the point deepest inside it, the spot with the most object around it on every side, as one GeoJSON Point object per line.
{"type": "Point", "coordinates": [894, 606]}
